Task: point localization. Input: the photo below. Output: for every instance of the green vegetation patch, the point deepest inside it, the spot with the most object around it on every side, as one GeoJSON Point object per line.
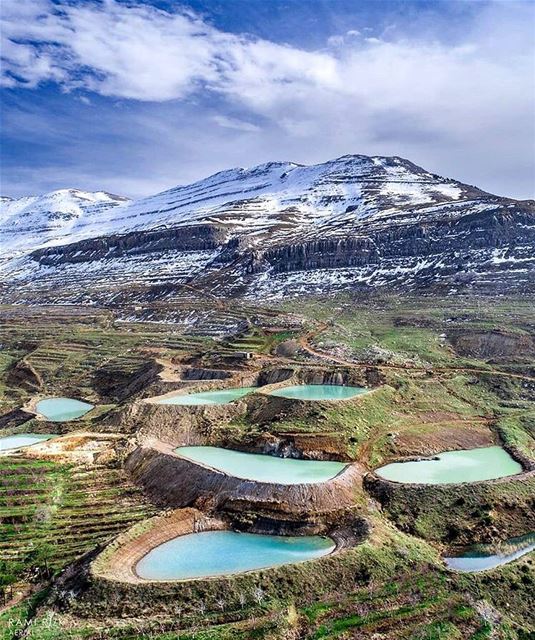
{"type": "Point", "coordinates": [51, 514]}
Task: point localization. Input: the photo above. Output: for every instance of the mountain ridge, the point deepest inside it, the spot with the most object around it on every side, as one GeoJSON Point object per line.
{"type": "Point", "coordinates": [261, 178]}
{"type": "Point", "coordinates": [355, 221]}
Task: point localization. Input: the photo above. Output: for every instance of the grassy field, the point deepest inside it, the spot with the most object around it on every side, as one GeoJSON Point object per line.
{"type": "Point", "coordinates": [422, 603]}
{"type": "Point", "coordinates": [411, 329]}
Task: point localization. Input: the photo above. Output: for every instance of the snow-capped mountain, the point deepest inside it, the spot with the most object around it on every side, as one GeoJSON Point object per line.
{"type": "Point", "coordinates": [246, 200]}
{"type": "Point", "coordinates": [32, 221]}
{"type": "Point", "coordinates": [274, 229]}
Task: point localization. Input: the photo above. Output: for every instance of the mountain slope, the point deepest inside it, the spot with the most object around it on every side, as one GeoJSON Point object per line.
{"type": "Point", "coordinates": [33, 221]}
{"type": "Point", "coordinates": [276, 229]}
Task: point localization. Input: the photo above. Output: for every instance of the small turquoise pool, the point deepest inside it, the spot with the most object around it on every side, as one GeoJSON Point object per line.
{"type": "Point", "coordinates": [222, 396]}
{"type": "Point", "coordinates": [23, 440]}
{"type": "Point", "coordinates": [482, 557]}
{"type": "Point", "coordinates": [221, 553]}
{"type": "Point", "coordinates": [318, 392]}
{"type": "Point", "coordinates": [469, 465]}
{"type": "Point", "coordinates": [62, 409]}
{"type": "Point", "coordinates": [262, 468]}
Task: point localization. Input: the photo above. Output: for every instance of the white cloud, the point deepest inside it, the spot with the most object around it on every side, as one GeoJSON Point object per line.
{"type": "Point", "coordinates": [336, 41]}
{"type": "Point", "coordinates": [113, 49]}
{"type": "Point", "coordinates": [234, 123]}
{"type": "Point", "coordinates": [389, 95]}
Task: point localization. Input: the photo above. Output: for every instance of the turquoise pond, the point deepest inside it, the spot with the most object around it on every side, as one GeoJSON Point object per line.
{"type": "Point", "coordinates": [22, 440]}
{"type": "Point", "coordinates": [220, 553]}
{"type": "Point", "coordinates": [318, 392]}
{"type": "Point", "coordinates": [487, 556]}
{"type": "Point", "coordinates": [62, 409]}
{"type": "Point", "coordinates": [222, 396]}
{"type": "Point", "coordinates": [454, 466]}
{"type": "Point", "coordinates": [262, 468]}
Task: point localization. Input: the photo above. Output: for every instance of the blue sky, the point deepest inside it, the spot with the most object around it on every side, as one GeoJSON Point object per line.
{"type": "Point", "coordinates": [136, 97]}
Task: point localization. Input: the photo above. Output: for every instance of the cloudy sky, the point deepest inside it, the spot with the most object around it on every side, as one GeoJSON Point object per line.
{"type": "Point", "coordinates": [134, 97]}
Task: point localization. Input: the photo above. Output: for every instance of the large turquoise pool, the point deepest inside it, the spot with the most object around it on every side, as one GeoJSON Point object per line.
{"type": "Point", "coordinates": [220, 553]}
{"type": "Point", "coordinates": [318, 392]}
{"type": "Point", "coordinates": [62, 409]}
{"type": "Point", "coordinates": [262, 468]}
{"type": "Point", "coordinates": [222, 396]}
{"type": "Point", "coordinates": [23, 440]}
{"type": "Point", "coordinates": [487, 556]}
{"type": "Point", "coordinates": [451, 467]}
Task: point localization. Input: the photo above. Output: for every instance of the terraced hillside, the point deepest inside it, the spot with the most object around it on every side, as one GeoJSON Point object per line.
{"type": "Point", "coordinates": [440, 375]}
{"type": "Point", "coordinates": [90, 354]}
{"type": "Point", "coordinates": [51, 514]}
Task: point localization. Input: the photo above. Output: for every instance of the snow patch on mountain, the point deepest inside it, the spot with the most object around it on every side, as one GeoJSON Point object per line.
{"type": "Point", "coordinates": [32, 221]}
{"type": "Point", "coordinates": [270, 197]}
{"type": "Point", "coordinates": [272, 230]}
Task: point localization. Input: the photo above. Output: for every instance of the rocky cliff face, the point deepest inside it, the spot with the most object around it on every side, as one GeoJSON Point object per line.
{"type": "Point", "coordinates": [274, 230]}
{"type": "Point", "coordinates": [195, 238]}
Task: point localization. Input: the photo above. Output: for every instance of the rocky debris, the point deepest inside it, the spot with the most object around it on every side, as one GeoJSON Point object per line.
{"type": "Point", "coordinates": [378, 355]}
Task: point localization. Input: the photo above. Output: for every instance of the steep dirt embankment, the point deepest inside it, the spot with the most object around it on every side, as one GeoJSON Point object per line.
{"type": "Point", "coordinates": [492, 345]}
{"type": "Point", "coordinates": [465, 513]}
{"type": "Point", "coordinates": [176, 424]}
{"type": "Point", "coordinates": [172, 481]}
{"type": "Point", "coordinates": [116, 384]}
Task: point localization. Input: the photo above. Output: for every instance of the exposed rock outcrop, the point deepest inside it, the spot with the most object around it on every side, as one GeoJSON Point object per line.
{"type": "Point", "coordinates": [194, 238]}
{"type": "Point", "coordinates": [197, 373]}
